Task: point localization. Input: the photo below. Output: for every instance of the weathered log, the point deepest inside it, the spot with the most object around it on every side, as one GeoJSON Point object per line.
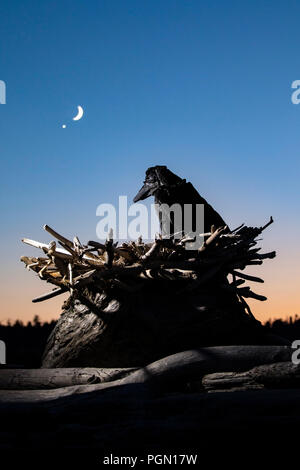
{"type": "Point", "coordinates": [38, 379]}
{"type": "Point", "coordinates": [171, 372]}
{"type": "Point", "coordinates": [277, 375]}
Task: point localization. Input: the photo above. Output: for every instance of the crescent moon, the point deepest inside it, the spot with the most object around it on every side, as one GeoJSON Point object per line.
{"type": "Point", "coordinates": [79, 114]}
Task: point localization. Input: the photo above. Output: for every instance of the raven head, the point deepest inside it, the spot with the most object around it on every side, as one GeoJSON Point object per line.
{"type": "Point", "coordinates": [157, 177]}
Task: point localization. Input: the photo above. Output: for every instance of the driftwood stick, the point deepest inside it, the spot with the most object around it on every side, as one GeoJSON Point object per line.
{"type": "Point", "coordinates": [109, 252]}
{"type": "Point", "coordinates": [36, 263]}
{"type": "Point", "coordinates": [246, 292]}
{"type": "Point", "coordinates": [85, 278]}
{"type": "Point", "coordinates": [267, 224]}
{"type": "Point", "coordinates": [96, 245]}
{"type": "Point", "coordinates": [69, 249]}
{"type": "Point", "coordinates": [247, 277]}
{"type": "Point", "coordinates": [70, 269]}
{"type": "Point", "coordinates": [213, 238]}
{"type": "Point", "coordinates": [44, 268]}
{"type": "Point", "coordinates": [253, 263]}
{"type": "Point", "coordinates": [59, 251]}
{"type": "Point", "coordinates": [78, 247]}
{"type": "Point", "coordinates": [237, 228]}
{"type": "Point", "coordinates": [246, 307]}
{"type": "Point", "coordinates": [269, 255]}
{"type": "Point", "coordinates": [50, 295]}
{"type": "Point", "coordinates": [58, 236]}
{"type": "Point", "coordinates": [236, 283]}
{"type": "Point", "coordinates": [151, 253]}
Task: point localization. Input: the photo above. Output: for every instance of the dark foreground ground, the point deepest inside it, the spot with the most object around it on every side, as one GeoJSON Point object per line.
{"type": "Point", "coordinates": [230, 429]}
{"type": "Point", "coordinates": [134, 421]}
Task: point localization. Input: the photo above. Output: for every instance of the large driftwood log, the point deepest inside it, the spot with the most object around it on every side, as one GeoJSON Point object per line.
{"type": "Point", "coordinates": [38, 379]}
{"type": "Point", "coordinates": [171, 372]}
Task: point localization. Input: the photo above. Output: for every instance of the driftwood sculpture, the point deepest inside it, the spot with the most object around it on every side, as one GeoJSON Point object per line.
{"type": "Point", "coordinates": [136, 303]}
{"type": "Point", "coordinates": [132, 304]}
{"type": "Point", "coordinates": [75, 266]}
{"type": "Point", "coordinates": [145, 325]}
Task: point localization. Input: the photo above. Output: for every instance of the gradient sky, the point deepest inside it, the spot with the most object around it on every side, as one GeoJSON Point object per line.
{"type": "Point", "coordinates": [201, 86]}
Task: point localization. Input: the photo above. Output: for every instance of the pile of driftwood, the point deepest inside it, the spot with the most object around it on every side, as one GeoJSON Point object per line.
{"type": "Point", "coordinates": [72, 266]}
{"type": "Point", "coordinates": [134, 303]}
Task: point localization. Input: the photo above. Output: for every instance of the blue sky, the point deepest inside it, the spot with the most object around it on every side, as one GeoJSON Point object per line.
{"type": "Point", "coordinates": [201, 86]}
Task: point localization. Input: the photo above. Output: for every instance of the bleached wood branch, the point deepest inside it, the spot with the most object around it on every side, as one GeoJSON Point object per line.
{"type": "Point", "coordinates": [40, 245]}
{"type": "Point", "coordinates": [60, 252]}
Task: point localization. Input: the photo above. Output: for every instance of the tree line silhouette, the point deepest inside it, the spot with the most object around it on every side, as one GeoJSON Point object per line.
{"type": "Point", "coordinates": [25, 342]}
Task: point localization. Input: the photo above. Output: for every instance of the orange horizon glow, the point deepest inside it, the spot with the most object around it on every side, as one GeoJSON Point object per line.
{"type": "Point", "coordinates": [280, 287]}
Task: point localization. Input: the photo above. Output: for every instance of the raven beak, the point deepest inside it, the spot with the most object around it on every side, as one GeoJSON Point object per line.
{"type": "Point", "coordinates": [143, 193]}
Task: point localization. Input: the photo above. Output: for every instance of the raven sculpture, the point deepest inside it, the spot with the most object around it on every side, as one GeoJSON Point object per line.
{"type": "Point", "coordinates": [168, 188]}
